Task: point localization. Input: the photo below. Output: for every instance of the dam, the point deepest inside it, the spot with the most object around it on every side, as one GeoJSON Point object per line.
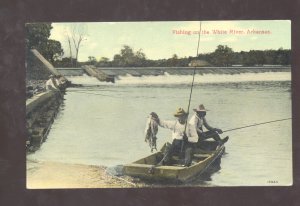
{"type": "Point", "coordinates": [109, 74]}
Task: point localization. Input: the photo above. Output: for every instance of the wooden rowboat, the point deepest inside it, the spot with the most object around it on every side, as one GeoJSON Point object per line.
{"type": "Point", "coordinates": [205, 154]}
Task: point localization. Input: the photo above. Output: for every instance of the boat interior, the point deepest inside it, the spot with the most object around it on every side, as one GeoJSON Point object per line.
{"type": "Point", "coordinates": [200, 153]}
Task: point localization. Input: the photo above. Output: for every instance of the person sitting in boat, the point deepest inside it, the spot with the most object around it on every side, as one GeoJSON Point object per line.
{"type": "Point", "coordinates": [198, 120]}
{"type": "Point", "coordinates": [183, 138]}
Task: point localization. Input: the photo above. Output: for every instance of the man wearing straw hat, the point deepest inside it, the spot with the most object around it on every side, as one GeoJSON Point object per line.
{"type": "Point", "coordinates": [182, 135]}
{"type": "Point", "coordinates": [198, 120]}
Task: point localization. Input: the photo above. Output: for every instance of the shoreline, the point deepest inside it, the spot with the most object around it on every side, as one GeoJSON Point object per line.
{"type": "Point", "coordinates": [56, 175]}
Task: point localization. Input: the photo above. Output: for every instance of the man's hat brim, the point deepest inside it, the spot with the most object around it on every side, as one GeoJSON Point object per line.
{"type": "Point", "coordinates": [180, 114]}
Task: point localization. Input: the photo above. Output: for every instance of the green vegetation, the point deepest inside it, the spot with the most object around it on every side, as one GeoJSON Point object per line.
{"type": "Point", "coordinates": [222, 56]}
{"type": "Point", "coordinates": [37, 37]}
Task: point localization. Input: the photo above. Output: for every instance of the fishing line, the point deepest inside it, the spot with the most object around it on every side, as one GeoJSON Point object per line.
{"type": "Point", "coordinates": [98, 94]}
{"type": "Point", "coordinates": [256, 124]}
{"type": "Point", "coordinates": [102, 90]}
{"type": "Point", "coordinates": [112, 96]}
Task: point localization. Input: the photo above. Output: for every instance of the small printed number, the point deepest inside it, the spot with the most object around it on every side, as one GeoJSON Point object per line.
{"type": "Point", "coordinates": [272, 181]}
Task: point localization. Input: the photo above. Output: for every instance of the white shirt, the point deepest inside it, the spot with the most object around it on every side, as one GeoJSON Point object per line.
{"type": "Point", "coordinates": [50, 85]}
{"type": "Point", "coordinates": [197, 123]}
{"type": "Point", "coordinates": [178, 130]}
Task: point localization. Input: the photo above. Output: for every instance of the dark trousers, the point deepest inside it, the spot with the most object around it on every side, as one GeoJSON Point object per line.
{"type": "Point", "coordinates": [175, 148]}
{"type": "Point", "coordinates": [208, 135]}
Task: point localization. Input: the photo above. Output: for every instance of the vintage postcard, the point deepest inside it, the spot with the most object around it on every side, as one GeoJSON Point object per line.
{"type": "Point", "coordinates": [158, 104]}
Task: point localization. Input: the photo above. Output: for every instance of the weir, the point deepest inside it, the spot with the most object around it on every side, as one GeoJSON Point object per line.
{"type": "Point", "coordinates": [109, 74]}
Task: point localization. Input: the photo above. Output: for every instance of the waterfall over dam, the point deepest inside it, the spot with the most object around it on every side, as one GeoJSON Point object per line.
{"type": "Point", "coordinates": [110, 73]}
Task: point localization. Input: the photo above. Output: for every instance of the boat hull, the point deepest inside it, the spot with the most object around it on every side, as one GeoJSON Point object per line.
{"type": "Point", "coordinates": [202, 160]}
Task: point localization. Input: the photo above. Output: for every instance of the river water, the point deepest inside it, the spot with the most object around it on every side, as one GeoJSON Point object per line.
{"type": "Point", "coordinates": [103, 123]}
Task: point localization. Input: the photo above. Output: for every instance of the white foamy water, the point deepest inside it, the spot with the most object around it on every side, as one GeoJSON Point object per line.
{"type": "Point", "coordinates": [205, 78]}
{"type": "Point", "coordinates": [86, 80]}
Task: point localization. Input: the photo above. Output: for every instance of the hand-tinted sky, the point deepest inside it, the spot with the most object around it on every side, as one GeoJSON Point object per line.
{"type": "Point", "coordinates": [158, 39]}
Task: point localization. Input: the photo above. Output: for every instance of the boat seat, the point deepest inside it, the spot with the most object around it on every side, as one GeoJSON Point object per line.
{"type": "Point", "coordinates": [176, 157]}
{"type": "Point", "coordinates": [201, 155]}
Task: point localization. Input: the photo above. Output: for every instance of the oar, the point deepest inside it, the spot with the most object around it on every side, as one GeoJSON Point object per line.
{"type": "Point", "coordinates": [256, 124]}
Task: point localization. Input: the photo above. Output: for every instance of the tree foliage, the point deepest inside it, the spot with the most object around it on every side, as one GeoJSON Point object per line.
{"type": "Point", "coordinates": [37, 37]}
{"type": "Point", "coordinates": [53, 50]}
{"type": "Point", "coordinates": [127, 57]}
{"type": "Point", "coordinates": [64, 62]}
{"type": "Point", "coordinates": [222, 56]}
{"type": "Point", "coordinates": [103, 62]}
{"type": "Point", "coordinates": [92, 60]}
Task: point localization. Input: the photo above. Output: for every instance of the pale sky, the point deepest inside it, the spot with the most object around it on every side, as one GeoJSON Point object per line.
{"type": "Point", "coordinates": [158, 39]}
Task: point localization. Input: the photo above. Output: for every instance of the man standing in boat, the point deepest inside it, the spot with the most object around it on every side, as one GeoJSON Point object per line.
{"type": "Point", "coordinates": [184, 136]}
{"type": "Point", "coordinates": [198, 120]}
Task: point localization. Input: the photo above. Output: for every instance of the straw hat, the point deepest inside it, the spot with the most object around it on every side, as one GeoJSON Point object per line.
{"type": "Point", "coordinates": [200, 108]}
{"type": "Point", "coordinates": [180, 112]}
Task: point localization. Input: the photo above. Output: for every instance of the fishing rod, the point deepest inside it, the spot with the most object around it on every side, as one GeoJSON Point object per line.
{"type": "Point", "coordinates": [188, 110]}
{"type": "Point", "coordinates": [105, 95]}
{"type": "Point", "coordinates": [193, 76]}
{"type": "Point", "coordinates": [102, 90]}
{"type": "Point", "coordinates": [252, 125]}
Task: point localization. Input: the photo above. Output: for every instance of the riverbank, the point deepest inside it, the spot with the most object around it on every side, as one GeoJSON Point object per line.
{"type": "Point", "coordinates": [54, 175]}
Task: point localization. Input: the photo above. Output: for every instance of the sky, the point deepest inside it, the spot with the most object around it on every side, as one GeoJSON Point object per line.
{"type": "Point", "coordinates": [163, 39]}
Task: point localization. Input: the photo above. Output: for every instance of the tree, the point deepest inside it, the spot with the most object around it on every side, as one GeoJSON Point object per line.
{"type": "Point", "coordinates": [53, 50]}
{"type": "Point", "coordinates": [282, 57]}
{"type": "Point", "coordinates": [128, 57]}
{"type": "Point", "coordinates": [103, 62]}
{"type": "Point", "coordinates": [253, 57]}
{"type": "Point", "coordinates": [64, 62]}
{"type": "Point", "coordinates": [117, 61]}
{"type": "Point", "coordinates": [92, 60]}
{"type": "Point", "coordinates": [174, 60]}
{"type": "Point", "coordinates": [68, 37]}
{"type": "Point", "coordinates": [37, 37]}
{"type": "Point", "coordinates": [139, 58]}
{"type": "Point", "coordinates": [75, 35]}
{"type": "Point", "coordinates": [222, 56]}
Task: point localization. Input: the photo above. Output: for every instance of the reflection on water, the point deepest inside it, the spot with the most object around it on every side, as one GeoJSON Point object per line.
{"type": "Point", "coordinates": [103, 124]}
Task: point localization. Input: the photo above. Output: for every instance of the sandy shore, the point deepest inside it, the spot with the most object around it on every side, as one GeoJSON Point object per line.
{"type": "Point", "coordinates": [60, 175]}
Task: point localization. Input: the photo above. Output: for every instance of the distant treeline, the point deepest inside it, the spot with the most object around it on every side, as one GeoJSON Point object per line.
{"type": "Point", "coordinates": [38, 37]}
{"type": "Point", "coordinates": [222, 56]}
